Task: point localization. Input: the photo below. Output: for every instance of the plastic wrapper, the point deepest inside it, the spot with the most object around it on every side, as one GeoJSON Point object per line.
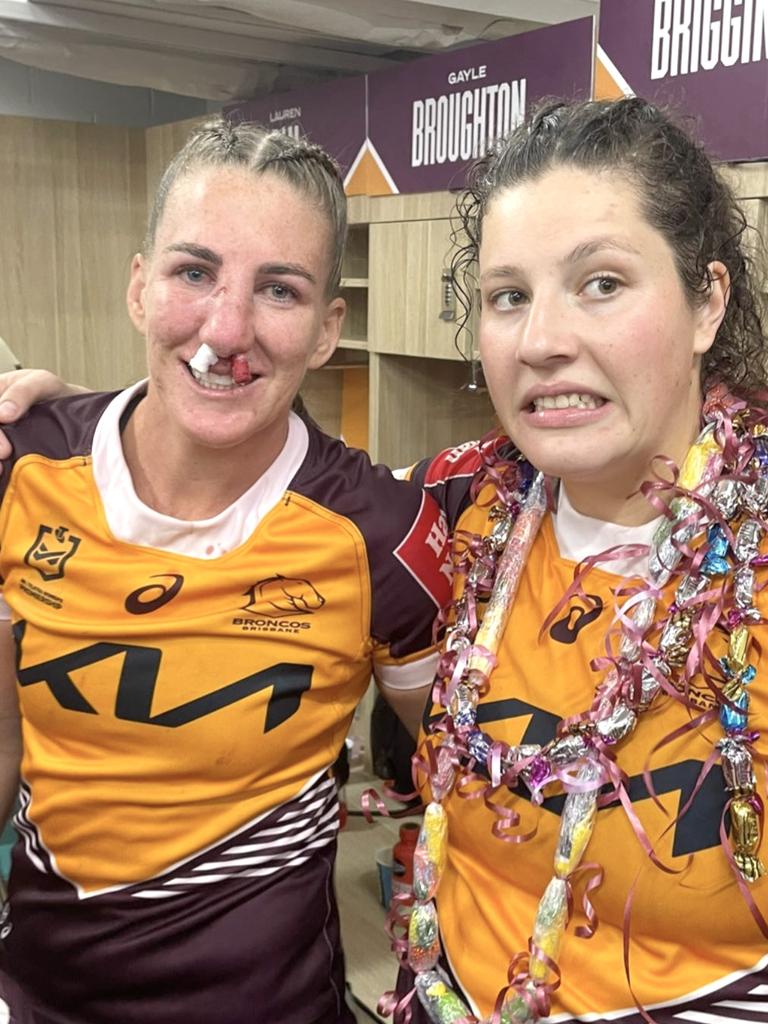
{"type": "Point", "coordinates": [549, 927]}
{"type": "Point", "coordinates": [744, 591]}
{"type": "Point", "coordinates": [500, 532]}
{"type": "Point", "coordinates": [745, 838]}
{"type": "Point", "coordinates": [748, 538]}
{"type": "Point", "coordinates": [698, 461]}
{"type": "Point", "coordinates": [567, 749]}
{"type": "Point", "coordinates": [691, 587]}
{"type": "Point", "coordinates": [649, 684]}
{"type": "Point", "coordinates": [676, 639]}
{"type": "Point", "coordinates": [727, 498]}
{"type": "Point", "coordinates": [464, 706]}
{"type": "Point", "coordinates": [735, 719]}
{"type": "Point", "coordinates": [423, 938]}
{"type": "Point", "coordinates": [642, 617]}
{"type": "Point", "coordinates": [577, 823]}
{"type": "Point", "coordinates": [736, 762]}
{"type": "Point", "coordinates": [440, 1002]}
{"type": "Point", "coordinates": [443, 779]}
{"type": "Point", "coordinates": [431, 852]}
{"type": "Point", "coordinates": [517, 1010]}
{"type": "Point", "coordinates": [755, 496]}
{"type": "Point", "coordinates": [479, 746]}
{"type": "Point", "coordinates": [618, 724]}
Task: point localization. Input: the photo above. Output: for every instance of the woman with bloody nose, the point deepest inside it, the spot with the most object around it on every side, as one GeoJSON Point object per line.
{"type": "Point", "coordinates": [201, 584]}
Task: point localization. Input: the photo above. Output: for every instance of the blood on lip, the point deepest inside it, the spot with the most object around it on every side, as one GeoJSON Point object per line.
{"type": "Point", "coordinates": [241, 373]}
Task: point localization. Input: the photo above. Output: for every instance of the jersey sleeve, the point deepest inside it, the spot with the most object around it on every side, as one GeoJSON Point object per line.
{"type": "Point", "coordinates": [447, 477]}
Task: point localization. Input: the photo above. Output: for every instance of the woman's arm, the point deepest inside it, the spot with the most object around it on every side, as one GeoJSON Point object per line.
{"type": "Point", "coordinates": [21, 389]}
{"type": "Point", "coordinates": [10, 723]}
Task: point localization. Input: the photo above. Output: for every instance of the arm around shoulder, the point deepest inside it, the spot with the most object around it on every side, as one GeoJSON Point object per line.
{"type": "Point", "coordinates": [10, 723]}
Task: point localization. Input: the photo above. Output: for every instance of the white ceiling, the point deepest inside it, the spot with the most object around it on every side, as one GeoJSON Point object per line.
{"type": "Point", "coordinates": [241, 48]}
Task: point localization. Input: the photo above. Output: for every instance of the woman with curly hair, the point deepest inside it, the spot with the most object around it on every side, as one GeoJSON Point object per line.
{"type": "Point", "coordinates": [593, 767]}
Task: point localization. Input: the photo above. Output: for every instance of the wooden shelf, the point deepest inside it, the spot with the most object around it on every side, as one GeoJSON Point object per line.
{"type": "Point", "coordinates": [354, 282]}
{"type": "Point", "coordinates": [359, 344]}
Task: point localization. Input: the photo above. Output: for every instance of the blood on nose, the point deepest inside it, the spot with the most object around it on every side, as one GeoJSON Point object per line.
{"type": "Point", "coordinates": [241, 373]}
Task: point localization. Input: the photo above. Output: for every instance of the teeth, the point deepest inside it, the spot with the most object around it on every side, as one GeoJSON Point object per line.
{"type": "Point", "coordinates": [215, 381]}
{"type": "Point", "coordinates": [574, 401]}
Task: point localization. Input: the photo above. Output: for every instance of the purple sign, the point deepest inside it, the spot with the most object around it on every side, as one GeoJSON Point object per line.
{"type": "Point", "coordinates": [429, 118]}
{"type": "Point", "coordinates": [332, 114]}
{"type": "Point", "coordinates": [707, 58]}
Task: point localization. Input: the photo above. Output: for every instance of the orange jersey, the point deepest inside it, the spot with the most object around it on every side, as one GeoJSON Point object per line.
{"type": "Point", "coordinates": [180, 714]}
{"type": "Point", "coordinates": [693, 941]}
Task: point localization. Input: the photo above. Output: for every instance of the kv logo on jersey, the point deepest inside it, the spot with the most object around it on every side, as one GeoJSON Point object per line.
{"type": "Point", "coordinates": [51, 551]}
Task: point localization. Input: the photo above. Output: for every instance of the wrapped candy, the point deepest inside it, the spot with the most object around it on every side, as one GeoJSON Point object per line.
{"type": "Point", "coordinates": [756, 496]}
{"type": "Point", "coordinates": [675, 640]}
{"type": "Point", "coordinates": [431, 852]}
{"type": "Point", "coordinates": [690, 588]}
{"type": "Point", "coordinates": [748, 539]}
{"type": "Point", "coordinates": [439, 1000]}
{"type": "Point", "coordinates": [734, 719]}
{"type": "Point", "coordinates": [549, 927]}
{"type": "Point", "coordinates": [516, 1009]}
{"type": "Point", "coordinates": [715, 562]}
{"type": "Point", "coordinates": [445, 775]}
{"type": "Point", "coordinates": [463, 707]}
{"type": "Point", "coordinates": [577, 822]}
{"type": "Point", "coordinates": [745, 837]}
{"type": "Point", "coordinates": [500, 532]}
{"type": "Point", "coordinates": [703, 456]}
{"type": "Point", "coordinates": [736, 762]}
{"type": "Point", "coordinates": [423, 938]}
{"type": "Point", "coordinates": [618, 724]}
{"type": "Point", "coordinates": [479, 746]}
{"type": "Point", "coordinates": [743, 592]}
{"type": "Point", "coordinates": [727, 497]}
{"type": "Point", "coordinates": [642, 617]}
{"type": "Point", "coordinates": [567, 749]}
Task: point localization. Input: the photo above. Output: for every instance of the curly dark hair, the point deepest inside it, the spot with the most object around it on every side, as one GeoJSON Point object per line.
{"type": "Point", "coordinates": [681, 194]}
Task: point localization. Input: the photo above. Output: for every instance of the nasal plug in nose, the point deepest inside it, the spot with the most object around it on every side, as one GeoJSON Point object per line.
{"type": "Point", "coordinates": [203, 359]}
{"type": "Point", "coordinates": [241, 373]}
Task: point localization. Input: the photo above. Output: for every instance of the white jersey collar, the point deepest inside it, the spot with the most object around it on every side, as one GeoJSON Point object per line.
{"type": "Point", "coordinates": [579, 536]}
{"type": "Point", "coordinates": [129, 519]}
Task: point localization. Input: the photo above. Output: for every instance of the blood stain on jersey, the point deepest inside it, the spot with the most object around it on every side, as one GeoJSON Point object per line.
{"type": "Point", "coordinates": [280, 597]}
{"type": "Point", "coordinates": [51, 551]}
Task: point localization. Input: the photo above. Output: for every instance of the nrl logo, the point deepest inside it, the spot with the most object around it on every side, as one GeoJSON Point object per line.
{"type": "Point", "coordinates": [280, 597]}
{"type": "Point", "coordinates": [51, 551]}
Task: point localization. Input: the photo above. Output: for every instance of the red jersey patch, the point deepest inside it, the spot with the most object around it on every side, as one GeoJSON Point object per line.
{"type": "Point", "coordinates": [426, 553]}
{"type": "Point", "coordinates": [464, 460]}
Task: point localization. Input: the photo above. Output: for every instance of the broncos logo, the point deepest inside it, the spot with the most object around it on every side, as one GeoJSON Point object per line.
{"type": "Point", "coordinates": [280, 597]}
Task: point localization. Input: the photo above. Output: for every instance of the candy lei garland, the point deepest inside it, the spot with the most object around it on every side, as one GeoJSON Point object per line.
{"type": "Point", "coordinates": [722, 494]}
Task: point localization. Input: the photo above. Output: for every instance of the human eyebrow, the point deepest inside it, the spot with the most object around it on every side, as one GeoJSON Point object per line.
{"type": "Point", "coordinates": [286, 269]}
{"type": "Point", "coordinates": [499, 272]}
{"type": "Point", "coordinates": [601, 244]}
{"type": "Point", "coordinates": [199, 252]}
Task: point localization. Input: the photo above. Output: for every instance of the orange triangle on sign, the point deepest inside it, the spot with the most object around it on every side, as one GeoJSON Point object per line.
{"type": "Point", "coordinates": [606, 86]}
{"type": "Point", "coordinates": [367, 178]}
